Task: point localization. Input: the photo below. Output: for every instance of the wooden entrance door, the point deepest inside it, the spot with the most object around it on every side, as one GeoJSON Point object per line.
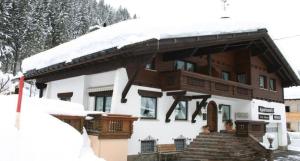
{"type": "Point", "coordinates": [212, 116]}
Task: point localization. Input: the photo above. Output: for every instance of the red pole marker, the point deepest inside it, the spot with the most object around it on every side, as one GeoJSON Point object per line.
{"type": "Point", "coordinates": [21, 85]}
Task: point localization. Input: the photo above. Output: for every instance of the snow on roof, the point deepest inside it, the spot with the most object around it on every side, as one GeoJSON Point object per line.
{"type": "Point", "coordinates": [134, 31]}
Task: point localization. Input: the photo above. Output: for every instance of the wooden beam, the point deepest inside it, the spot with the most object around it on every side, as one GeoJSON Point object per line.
{"type": "Point", "coordinates": [199, 106]}
{"type": "Point", "coordinates": [209, 64]}
{"type": "Point", "coordinates": [130, 82]}
{"type": "Point", "coordinates": [176, 93]}
{"type": "Point", "coordinates": [172, 108]}
{"type": "Point", "coordinates": [41, 87]}
{"type": "Point", "coordinates": [179, 96]}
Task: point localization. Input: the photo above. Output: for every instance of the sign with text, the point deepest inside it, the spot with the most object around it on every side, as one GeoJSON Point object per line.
{"type": "Point", "coordinates": [276, 117]}
{"type": "Point", "coordinates": [241, 116]}
{"type": "Point", "coordinates": [264, 117]}
{"type": "Point", "coordinates": [265, 109]}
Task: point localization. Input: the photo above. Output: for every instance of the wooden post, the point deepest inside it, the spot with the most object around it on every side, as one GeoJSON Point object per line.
{"type": "Point", "coordinates": [209, 64]}
{"type": "Point", "coordinates": [20, 94]}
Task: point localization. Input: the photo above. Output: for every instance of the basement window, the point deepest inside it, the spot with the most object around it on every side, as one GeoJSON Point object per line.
{"type": "Point", "coordinates": [180, 144]}
{"type": "Point", "coordinates": [147, 146]}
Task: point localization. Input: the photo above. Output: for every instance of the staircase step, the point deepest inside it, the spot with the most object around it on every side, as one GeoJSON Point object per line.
{"type": "Point", "coordinates": [217, 147]}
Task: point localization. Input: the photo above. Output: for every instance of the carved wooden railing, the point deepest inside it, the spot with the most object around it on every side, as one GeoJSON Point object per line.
{"type": "Point", "coordinates": [75, 121]}
{"type": "Point", "coordinates": [184, 80]}
{"type": "Point", "coordinates": [110, 126]}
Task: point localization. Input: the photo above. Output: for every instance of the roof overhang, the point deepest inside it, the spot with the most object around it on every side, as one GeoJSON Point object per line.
{"type": "Point", "coordinates": [115, 58]}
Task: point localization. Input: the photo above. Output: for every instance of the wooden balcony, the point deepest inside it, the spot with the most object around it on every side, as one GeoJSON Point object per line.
{"type": "Point", "coordinates": [76, 122]}
{"type": "Point", "coordinates": [184, 80]}
{"type": "Point", "coordinates": [110, 126]}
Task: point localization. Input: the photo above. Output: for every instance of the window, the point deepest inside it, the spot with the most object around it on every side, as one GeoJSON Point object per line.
{"type": "Point", "coordinates": [181, 110]}
{"type": "Point", "coordinates": [180, 144]}
{"type": "Point", "coordinates": [147, 146]}
{"type": "Point", "coordinates": [225, 75]}
{"type": "Point", "coordinates": [226, 112]}
{"type": "Point", "coordinates": [149, 107]}
{"type": "Point", "coordinates": [65, 96]}
{"type": "Point", "coordinates": [151, 66]}
{"type": "Point", "coordinates": [183, 65]}
{"type": "Point", "coordinates": [287, 109]}
{"type": "Point", "coordinates": [102, 100]}
{"type": "Point", "coordinates": [103, 103]}
{"type": "Point", "coordinates": [241, 78]}
{"type": "Point", "coordinates": [272, 84]}
{"type": "Point", "coordinates": [262, 81]}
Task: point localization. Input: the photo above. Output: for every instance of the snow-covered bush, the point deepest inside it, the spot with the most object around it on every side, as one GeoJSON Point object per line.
{"type": "Point", "coordinates": [5, 83]}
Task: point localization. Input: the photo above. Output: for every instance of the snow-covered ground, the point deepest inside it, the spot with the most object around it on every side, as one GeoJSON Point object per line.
{"type": "Point", "coordinates": [41, 137]}
{"type": "Point", "coordinates": [295, 141]}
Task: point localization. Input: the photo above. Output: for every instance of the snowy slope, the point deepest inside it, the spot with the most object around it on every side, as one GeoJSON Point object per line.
{"type": "Point", "coordinates": [41, 137]}
{"type": "Point", "coordinates": [130, 32]}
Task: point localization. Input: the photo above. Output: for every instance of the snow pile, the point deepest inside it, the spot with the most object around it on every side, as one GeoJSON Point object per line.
{"type": "Point", "coordinates": [295, 141]}
{"type": "Point", "coordinates": [133, 31]}
{"type": "Point", "coordinates": [41, 137]}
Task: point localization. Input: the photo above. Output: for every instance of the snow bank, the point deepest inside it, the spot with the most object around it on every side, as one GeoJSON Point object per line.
{"type": "Point", "coordinates": [41, 137]}
{"type": "Point", "coordinates": [130, 32]}
{"type": "Point", "coordinates": [295, 141]}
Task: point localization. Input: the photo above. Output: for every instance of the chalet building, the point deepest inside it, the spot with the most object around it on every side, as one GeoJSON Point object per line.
{"type": "Point", "coordinates": [173, 79]}
{"type": "Point", "coordinates": [292, 109]}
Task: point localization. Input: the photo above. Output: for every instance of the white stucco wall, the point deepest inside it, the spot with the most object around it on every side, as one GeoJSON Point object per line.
{"type": "Point", "coordinates": [158, 128]}
{"type": "Point", "coordinates": [279, 109]}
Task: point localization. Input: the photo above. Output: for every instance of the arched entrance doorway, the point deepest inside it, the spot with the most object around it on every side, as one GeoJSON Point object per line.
{"type": "Point", "coordinates": [212, 116]}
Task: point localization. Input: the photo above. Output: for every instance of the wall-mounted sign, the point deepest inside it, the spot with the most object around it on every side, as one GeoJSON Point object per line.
{"type": "Point", "coordinates": [241, 116]}
{"type": "Point", "coordinates": [265, 109]}
{"type": "Point", "coordinates": [276, 117]}
{"type": "Point", "coordinates": [264, 117]}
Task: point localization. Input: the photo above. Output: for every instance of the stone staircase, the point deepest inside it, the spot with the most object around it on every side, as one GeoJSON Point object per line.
{"type": "Point", "coordinates": [220, 147]}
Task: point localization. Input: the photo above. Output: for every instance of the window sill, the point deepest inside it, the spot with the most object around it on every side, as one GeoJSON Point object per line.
{"type": "Point", "coordinates": [145, 118]}
{"type": "Point", "coordinates": [181, 120]}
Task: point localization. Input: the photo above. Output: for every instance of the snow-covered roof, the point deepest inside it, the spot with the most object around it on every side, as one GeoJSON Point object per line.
{"type": "Point", "coordinates": [134, 31]}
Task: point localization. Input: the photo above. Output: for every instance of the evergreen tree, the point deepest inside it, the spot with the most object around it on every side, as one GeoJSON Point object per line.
{"type": "Point", "coordinates": [31, 26]}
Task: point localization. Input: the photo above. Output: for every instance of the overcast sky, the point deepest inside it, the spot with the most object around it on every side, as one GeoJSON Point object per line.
{"type": "Point", "coordinates": [280, 17]}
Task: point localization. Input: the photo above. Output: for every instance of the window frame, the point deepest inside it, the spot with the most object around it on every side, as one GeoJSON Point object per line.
{"type": "Point", "coordinates": [184, 142]}
{"type": "Point", "coordinates": [186, 114]}
{"type": "Point", "coordinates": [274, 84]}
{"type": "Point", "coordinates": [67, 96]}
{"type": "Point", "coordinates": [265, 82]}
{"type": "Point", "coordinates": [185, 64]}
{"type": "Point", "coordinates": [103, 104]}
{"type": "Point", "coordinates": [287, 108]}
{"type": "Point", "coordinates": [223, 71]}
{"type": "Point", "coordinates": [239, 74]}
{"type": "Point", "coordinates": [222, 108]}
{"type": "Point", "coordinates": [149, 118]}
{"type": "Point", "coordinates": [148, 152]}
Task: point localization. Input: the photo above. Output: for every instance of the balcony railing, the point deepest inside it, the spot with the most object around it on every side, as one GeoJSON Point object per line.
{"type": "Point", "coordinates": [184, 80]}
{"type": "Point", "coordinates": [110, 126]}
{"type": "Point", "coordinates": [75, 121]}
